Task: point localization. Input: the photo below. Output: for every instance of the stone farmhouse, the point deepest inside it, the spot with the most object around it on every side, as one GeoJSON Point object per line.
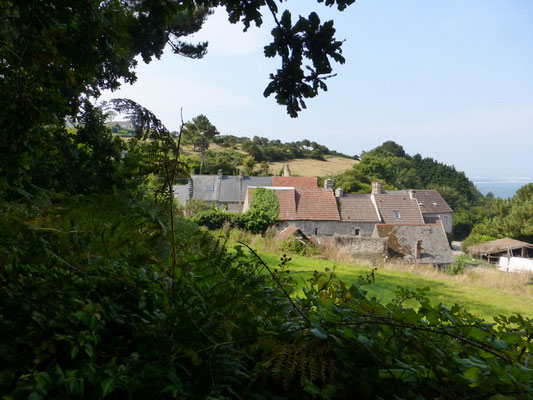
{"type": "Point", "coordinates": [414, 221]}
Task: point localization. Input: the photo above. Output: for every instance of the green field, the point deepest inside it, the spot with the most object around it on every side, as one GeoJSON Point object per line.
{"type": "Point", "coordinates": [482, 301]}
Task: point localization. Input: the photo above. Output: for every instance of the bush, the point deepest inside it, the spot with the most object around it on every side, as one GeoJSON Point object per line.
{"type": "Point", "coordinates": [463, 262]}
{"type": "Point", "coordinates": [90, 309]}
{"type": "Point", "coordinates": [296, 246]}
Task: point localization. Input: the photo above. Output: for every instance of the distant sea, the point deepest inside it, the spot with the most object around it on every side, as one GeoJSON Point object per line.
{"type": "Point", "coordinates": [505, 188]}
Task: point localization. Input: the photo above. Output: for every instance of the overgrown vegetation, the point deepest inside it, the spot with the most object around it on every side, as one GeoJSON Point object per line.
{"type": "Point", "coordinates": [463, 262]}
{"type": "Point", "coordinates": [262, 214]}
{"type": "Point", "coordinates": [105, 291]}
{"type": "Point", "coordinates": [296, 246]}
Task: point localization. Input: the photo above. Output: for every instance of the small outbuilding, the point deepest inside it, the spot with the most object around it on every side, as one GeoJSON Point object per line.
{"type": "Point", "coordinates": [417, 243]}
{"type": "Point", "coordinates": [506, 247]}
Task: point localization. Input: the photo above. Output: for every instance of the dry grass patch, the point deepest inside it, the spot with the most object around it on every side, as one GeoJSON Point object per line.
{"type": "Point", "coordinates": [309, 167]}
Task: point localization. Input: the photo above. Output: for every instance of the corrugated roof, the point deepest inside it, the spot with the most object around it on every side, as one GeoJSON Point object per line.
{"type": "Point", "coordinates": [398, 208]}
{"type": "Point", "coordinates": [295, 181]}
{"type": "Point", "coordinates": [403, 240]}
{"type": "Point", "coordinates": [358, 207]}
{"type": "Point", "coordinates": [497, 246]}
{"type": "Point", "coordinates": [430, 201]}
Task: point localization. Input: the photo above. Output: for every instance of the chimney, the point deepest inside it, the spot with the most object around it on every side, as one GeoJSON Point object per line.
{"type": "Point", "coordinates": [412, 194]}
{"type": "Point", "coordinates": [189, 184]}
{"type": "Point", "coordinates": [339, 192]}
{"type": "Point", "coordinates": [328, 184]}
{"type": "Point", "coordinates": [286, 170]}
{"type": "Point", "coordinates": [419, 250]}
{"type": "Point", "coordinates": [219, 174]}
{"type": "Point", "coordinates": [241, 178]}
{"type": "Point", "coordinates": [376, 188]}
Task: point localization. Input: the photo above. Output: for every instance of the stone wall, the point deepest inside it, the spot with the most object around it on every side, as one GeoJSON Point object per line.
{"type": "Point", "coordinates": [331, 228]}
{"type": "Point", "coordinates": [361, 247]}
{"type": "Point", "coordinates": [446, 218]}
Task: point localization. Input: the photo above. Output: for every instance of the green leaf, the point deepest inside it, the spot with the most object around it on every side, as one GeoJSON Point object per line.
{"type": "Point", "coordinates": [74, 352]}
{"type": "Point", "coordinates": [108, 386]}
{"type": "Point", "coordinates": [89, 349]}
{"type": "Point", "coordinates": [319, 334]}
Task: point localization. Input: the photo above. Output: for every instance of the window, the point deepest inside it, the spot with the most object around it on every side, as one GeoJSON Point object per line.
{"type": "Point", "coordinates": [316, 231]}
{"type": "Point", "coordinates": [209, 188]}
{"type": "Point", "coordinates": [397, 214]}
{"type": "Point", "coordinates": [445, 219]}
{"type": "Point", "coordinates": [357, 232]}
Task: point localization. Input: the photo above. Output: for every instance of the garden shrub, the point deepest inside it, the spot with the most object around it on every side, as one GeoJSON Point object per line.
{"type": "Point", "coordinates": [263, 213]}
{"type": "Point", "coordinates": [296, 246]}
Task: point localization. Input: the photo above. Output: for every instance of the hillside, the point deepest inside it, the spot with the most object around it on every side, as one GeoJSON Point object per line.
{"type": "Point", "coordinates": [332, 165]}
{"type": "Point", "coordinates": [486, 294]}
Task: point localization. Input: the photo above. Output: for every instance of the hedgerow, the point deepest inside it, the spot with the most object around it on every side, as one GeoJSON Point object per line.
{"type": "Point", "coordinates": [90, 309]}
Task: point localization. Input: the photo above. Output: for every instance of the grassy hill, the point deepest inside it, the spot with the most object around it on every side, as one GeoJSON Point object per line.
{"type": "Point", "coordinates": [310, 167]}
{"type": "Point", "coordinates": [486, 297]}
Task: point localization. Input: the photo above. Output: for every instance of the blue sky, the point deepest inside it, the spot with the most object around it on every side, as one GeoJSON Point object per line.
{"type": "Point", "coordinates": [449, 79]}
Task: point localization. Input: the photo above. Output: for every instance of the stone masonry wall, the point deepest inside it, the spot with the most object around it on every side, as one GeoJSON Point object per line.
{"type": "Point", "coordinates": [331, 228]}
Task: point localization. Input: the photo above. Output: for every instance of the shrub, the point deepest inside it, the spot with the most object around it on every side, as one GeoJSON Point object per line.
{"type": "Point", "coordinates": [461, 263]}
{"type": "Point", "coordinates": [194, 206]}
{"type": "Point", "coordinates": [296, 246]}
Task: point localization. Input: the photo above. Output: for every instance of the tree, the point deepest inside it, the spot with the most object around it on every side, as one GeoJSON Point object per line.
{"type": "Point", "coordinates": [56, 54]}
{"type": "Point", "coordinates": [202, 133]}
{"type": "Point", "coordinates": [249, 165]}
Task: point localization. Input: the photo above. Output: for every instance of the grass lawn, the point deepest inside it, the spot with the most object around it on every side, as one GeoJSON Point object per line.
{"type": "Point", "coordinates": [482, 301]}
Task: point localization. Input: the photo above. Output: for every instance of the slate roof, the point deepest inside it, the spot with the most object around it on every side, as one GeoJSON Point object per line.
{"type": "Point", "coordinates": [182, 193]}
{"type": "Point", "coordinates": [228, 189]}
{"type": "Point", "coordinates": [230, 186]}
{"type": "Point", "coordinates": [400, 202]}
{"type": "Point", "coordinates": [497, 246]}
{"type": "Point", "coordinates": [358, 207]}
{"type": "Point", "coordinates": [205, 187]}
{"type": "Point", "coordinates": [403, 240]}
{"type": "Point", "coordinates": [430, 201]}
{"type": "Point", "coordinates": [295, 181]}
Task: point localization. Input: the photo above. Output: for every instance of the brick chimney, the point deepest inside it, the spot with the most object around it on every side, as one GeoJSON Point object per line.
{"type": "Point", "coordinates": [286, 170]}
{"type": "Point", "coordinates": [418, 249]}
{"type": "Point", "coordinates": [328, 184]}
{"type": "Point", "coordinates": [376, 188]}
{"type": "Point", "coordinates": [241, 178]}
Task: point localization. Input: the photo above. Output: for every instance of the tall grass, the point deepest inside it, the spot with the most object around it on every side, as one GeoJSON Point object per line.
{"type": "Point", "coordinates": [515, 283]}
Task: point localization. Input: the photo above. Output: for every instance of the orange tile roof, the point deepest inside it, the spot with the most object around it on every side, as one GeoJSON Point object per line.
{"type": "Point", "coordinates": [305, 204]}
{"type": "Point", "coordinates": [295, 181]}
{"type": "Point", "coordinates": [316, 204]}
